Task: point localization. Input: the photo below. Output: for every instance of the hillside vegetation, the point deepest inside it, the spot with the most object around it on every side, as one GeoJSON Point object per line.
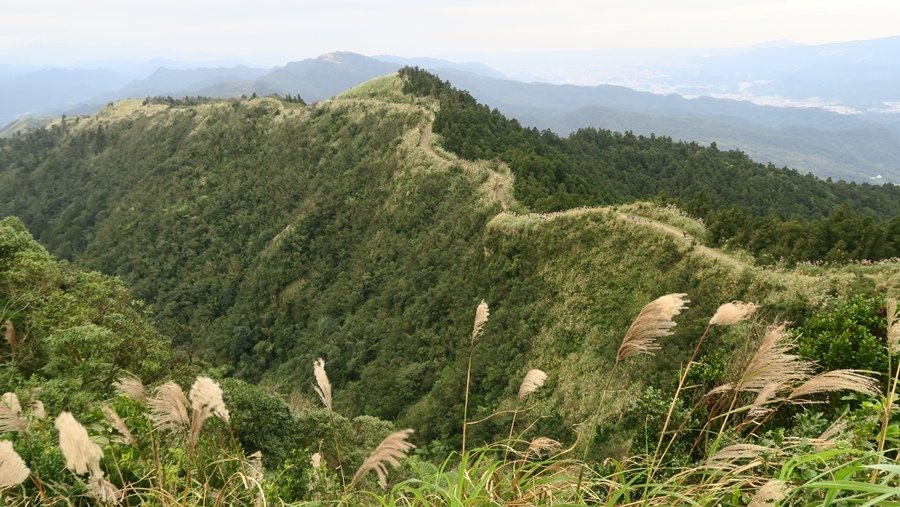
{"type": "Point", "coordinates": [264, 234]}
{"type": "Point", "coordinates": [777, 214]}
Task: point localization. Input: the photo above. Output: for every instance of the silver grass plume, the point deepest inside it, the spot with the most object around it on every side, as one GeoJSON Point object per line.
{"type": "Point", "coordinates": [533, 380]}
{"type": "Point", "coordinates": [37, 410]}
{"type": "Point", "coordinates": [827, 439]}
{"type": "Point", "coordinates": [769, 493]}
{"type": "Point", "coordinates": [315, 462]}
{"type": "Point", "coordinates": [12, 468]}
{"type": "Point", "coordinates": [773, 362]}
{"type": "Point", "coordinates": [732, 313]}
{"type": "Point", "coordinates": [481, 317]}
{"type": "Point", "coordinates": [206, 401]}
{"type": "Point", "coordinates": [104, 491]}
{"type": "Point", "coordinates": [390, 451]}
{"type": "Point", "coordinates": [11, 414]}
{"type": "Point", "coordinates": [168, 408]}
{"type": "Point", "coordinates": [131, 387]}
{"type": "Point", "coordinates": [118, 424]}
{"type": "Point", "coordinates": [654, 321]}
{"type": "Point", "coordinates": [82, 455]}
{"type": "Point", "coordinates": [837, 380]}
{"type": "Point", "coordinates": [323, 386]}
{"type": "Point", "coordinates": [766, 397]}
{"type": "Point", "coordinates": [725, 458]}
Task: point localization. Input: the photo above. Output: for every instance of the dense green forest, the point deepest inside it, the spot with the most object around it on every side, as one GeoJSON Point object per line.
{"type": "Point", "coordinates": [778, 214]}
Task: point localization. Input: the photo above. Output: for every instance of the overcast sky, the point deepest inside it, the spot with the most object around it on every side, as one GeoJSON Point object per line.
{"type": "Point", "coordinates": [273, 31]}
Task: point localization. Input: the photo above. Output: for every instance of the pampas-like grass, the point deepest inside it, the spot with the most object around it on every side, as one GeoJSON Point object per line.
{"type": "Point", "coordinates": [827, 439]}
{"type": "Point", "coordinates": [390, 451]}
{"type": "Point", "coordinates": [732, 313]}
{"type": "Point", "coordinates": [37, 410]}
{"type": "Point", "coordinates": [131, 387]}
{"type": "Point", "coordinates": [837, 380]}
{"type": "Point", "coordinates": [11, 414]}
{"type": "Point", "coordinates": [168, 408]}
{"type": "Point", "coordinates": [481, 317]}
{"type": "Point", "coordinates": [206, 401]}
{"type": "Point", "coordinates": [766, 397]}
{"type": "Point", "coordinates": [82, 455]}
{"type": "Point", "coordinates": [533, 380]}
{"type": "Point", "coordinates": [12, 468]}
{"type": "Point", "coordinates": [104, 491]}
{"type": "Point", "coordinates": [11, 401]}
{"type": "Point", "coordinates": [323, 386]}
{"type": "Point", "coordinates": [728, 455]}
{"type": "Point", "coordinates": [118, 424]}
{"type": "Point", "coordinates": [769, 493]}
{"type": "Point", "coordinates": [773, 362]}
{"type": "Point", "coordinates": [315, 462]}
{"type": "Point", "coordinates": [654, 321]}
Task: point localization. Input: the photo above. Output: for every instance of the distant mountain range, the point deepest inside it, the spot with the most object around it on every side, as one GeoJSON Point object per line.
{"type": "Point", "coordinates": [861, 76]}
{"type": "Point", "coordinates": [860, 147]}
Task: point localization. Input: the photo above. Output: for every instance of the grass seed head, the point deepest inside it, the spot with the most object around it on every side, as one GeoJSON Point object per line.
{"type": "Point", "coordinates": [12, 468]}
{"type": "Point", "coordinates": [82, 455]}
{"type": "Point", "coordinates": [131, 387]}
{"type": "Point", "coordinates": [732, 313]}
{"type": "Point", "coordinates": [654, 321]}
{"type": "Point", "coordinates": [168, 408]}
{"type": "Point", "coordinates": [834, 381]}
{"type": "Point", "coordinates": [533, 380]}
{"type": "Point", "coordinates": [771, 492]}
{"type": "Point", "coordinates": [390, 451]}
{"type": "Point", "coordinates": [11, 414]}
{"type": "Point", "coordinates": [323, 386]}
{"type": "Point", "coordinates": [118, 424]}
{"type": "Point", "coordinates": [481, 317]}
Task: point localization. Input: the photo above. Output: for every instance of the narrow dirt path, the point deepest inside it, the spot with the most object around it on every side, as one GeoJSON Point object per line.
{"type": "Point", "coordinates": [687, 238]}
{"type": "Point", "coordinates": [501, 195]}
{"type": "Point", "coordinates": [500, 192]}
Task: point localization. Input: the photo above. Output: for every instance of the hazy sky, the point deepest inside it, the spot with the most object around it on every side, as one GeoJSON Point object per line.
{"type": "Point", "coordinates": [274, 31]}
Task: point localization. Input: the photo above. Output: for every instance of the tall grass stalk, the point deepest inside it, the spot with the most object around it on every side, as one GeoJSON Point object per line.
{"type": "Point", "coordinates": [482, 312]}
{"type": "Point", "coordinates": [893, 337]}
{"type": "Point", "coordinates": [654, 321]}
{"type": "Point", "coordinates": [656, 458]}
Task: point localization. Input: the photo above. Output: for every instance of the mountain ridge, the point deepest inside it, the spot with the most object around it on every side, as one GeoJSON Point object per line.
{"type": "Point", "coordinates": [265, 233]}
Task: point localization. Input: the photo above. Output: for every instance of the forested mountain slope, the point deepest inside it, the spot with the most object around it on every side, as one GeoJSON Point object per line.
{"type": "Point", "coordinates": [265, 233]}
{"type": "Point", "coordinates": [776, 213]}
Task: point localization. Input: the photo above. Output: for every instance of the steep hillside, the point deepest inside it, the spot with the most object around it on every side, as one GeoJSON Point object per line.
{"type": "Point", "coordinates": [777, 213]}
{"type": "Point", "coordinates": [265, 233]}
{"type": "Point", "coordinates": [68, 332]}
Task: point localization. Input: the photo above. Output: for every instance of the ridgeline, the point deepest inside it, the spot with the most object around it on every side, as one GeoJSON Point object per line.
{"type": "Point", "coordinates": [265, 233]}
